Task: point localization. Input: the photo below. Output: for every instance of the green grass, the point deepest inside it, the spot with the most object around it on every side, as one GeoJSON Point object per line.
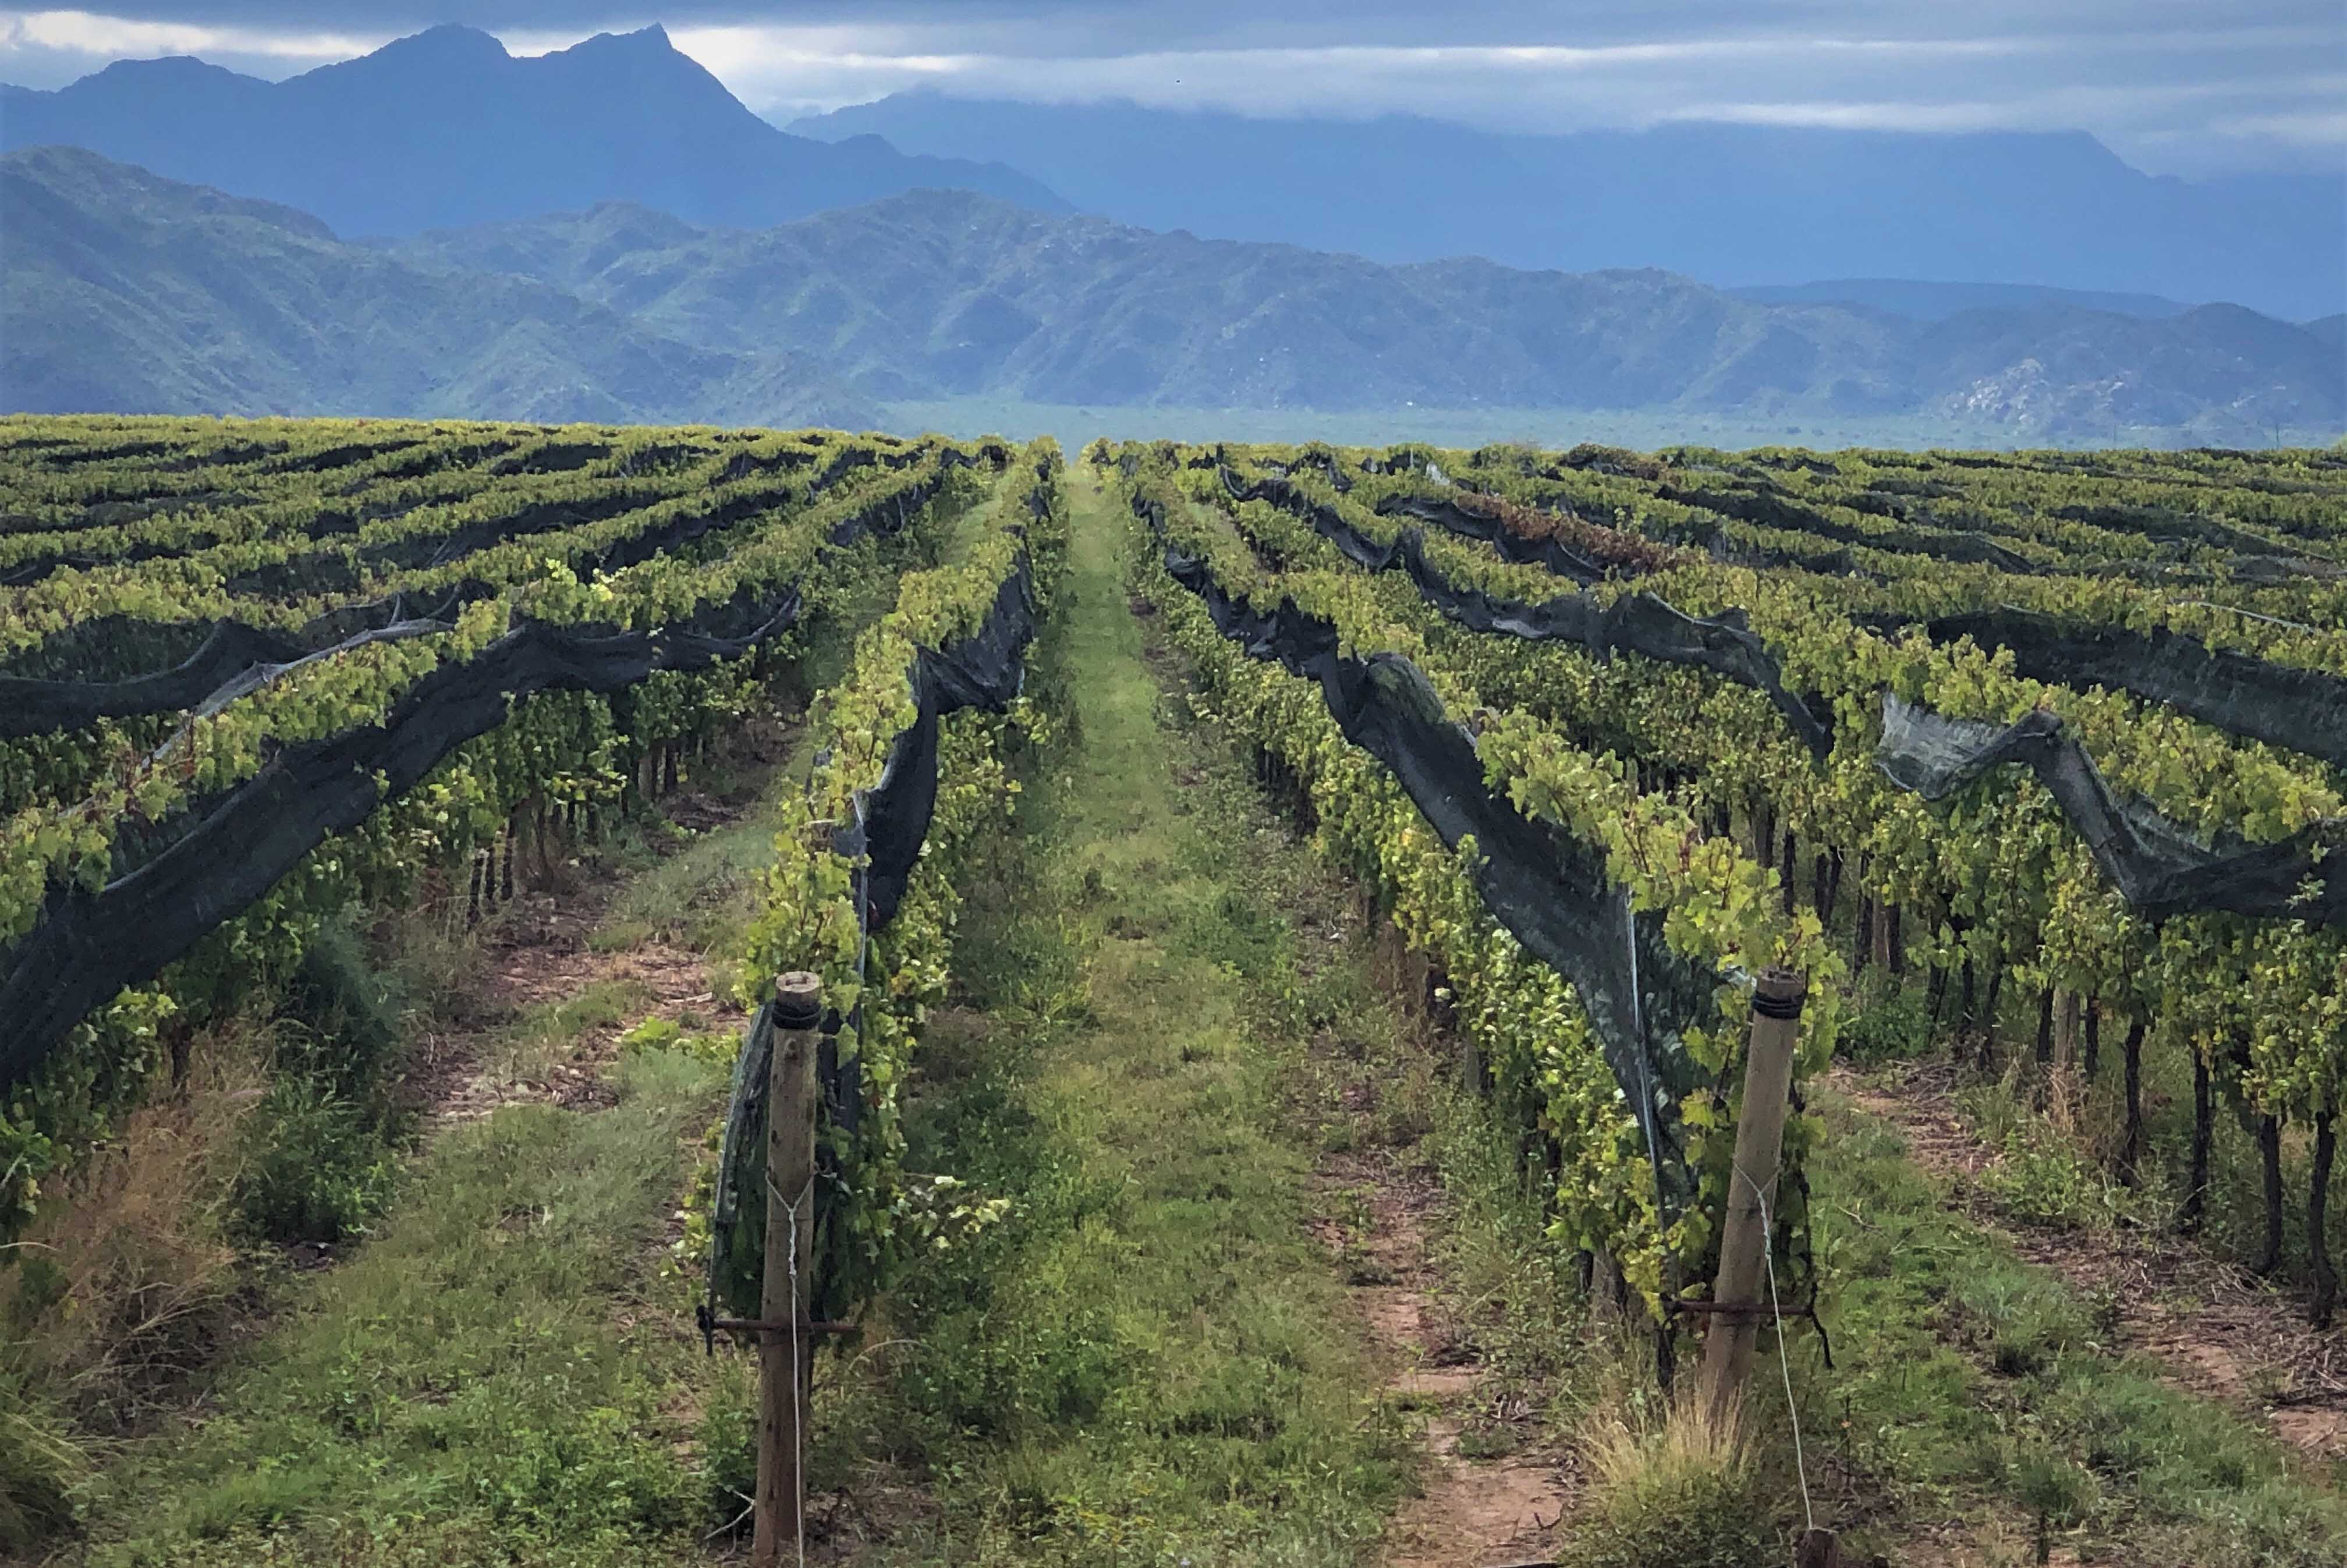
{"type": "Point", "coordinates": [1972, 1383]}
{"type": "Point", "coordinates": [2060, 1172]}
{"type": "Point", "coordinates": [1973, 1392]}
{"type": "Point", "coordinates": [490, 1375]}
{"type": "Point", "coordinates": [699, 896]}
{"type": "Point", "coordinates": [1149, 1360]}
{"type": "Point", "coordinates": [531, 1047]}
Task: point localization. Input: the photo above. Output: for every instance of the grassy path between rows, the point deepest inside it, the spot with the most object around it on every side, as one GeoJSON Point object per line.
{"type": "Point", "coordinates": [505, 1370]}
{"type": "Point", "coordinates": [1149, 1359]}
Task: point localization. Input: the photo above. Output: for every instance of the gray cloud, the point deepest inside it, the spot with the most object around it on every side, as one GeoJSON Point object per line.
{"type": "Point", "coordinates": [2157, 79]}
{"type": "Point", "coordinates": [1086, 26]}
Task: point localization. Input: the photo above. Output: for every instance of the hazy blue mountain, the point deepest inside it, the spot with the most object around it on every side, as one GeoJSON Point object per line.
{"type": "Point", "coordinates": [2330, 330]}
{"type": "Point", "coordinates": [446, 128]}
{"type": "Point", "coordinates": [938, 295]}
{"type": "Point", "coordinates": [1731, 204]}
{"type": "Point", "coordinates": [124, 292]}
{"type": "Point", "coordinates": [1932, 301]}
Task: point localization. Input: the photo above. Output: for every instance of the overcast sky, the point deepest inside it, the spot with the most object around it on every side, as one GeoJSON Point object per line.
{"type": "Point", "coordinates": [2186, 87]}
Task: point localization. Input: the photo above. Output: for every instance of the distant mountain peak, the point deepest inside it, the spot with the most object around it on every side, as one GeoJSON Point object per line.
{"type": "Point", "coordinates": [446, 128]}
{"type": "Point", "coordinates": [654, 39]}
{"type": "Point", "coordinates": [450, 42]}
{"type": "Point", "coordinates": [163, 66]}
{"type": "Point", "coordinates": [646, 56]}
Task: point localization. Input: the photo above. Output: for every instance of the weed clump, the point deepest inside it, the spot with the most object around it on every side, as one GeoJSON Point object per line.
{"type": "Point", "coordinates": [317, 1167]}
{"type": "Point", "coordinates": [1674, 1494]}
{"type": "Point", "coordinates": [318, 1147]}
{"type": "Point", "coordinates": [1889, 1022]}
{"type": "Point", "coordinates": [39, 1468]}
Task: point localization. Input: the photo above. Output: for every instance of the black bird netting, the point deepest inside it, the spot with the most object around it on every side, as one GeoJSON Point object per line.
{"type": "Point", "coordinates": [2159, 867]}
{"type": "Point", "coordinates": [1547, 890]}
{"type": "Point", "coordinates": [87, 946]}
{"type": "Point", "coordinates": [30, 707]}
{"type": "Point", "coordinates": [985, 669]}
{"type": "Point", "coordinates": [228, 853]}
{"type": "Point", "coordinates": [1635, 623]}
{"type": "Point", "coordinates": [230, 648]}
{"type": "Point", "coordinates": [2283, 705]}
{"type": "Point", "coordinates": [1452, 517]}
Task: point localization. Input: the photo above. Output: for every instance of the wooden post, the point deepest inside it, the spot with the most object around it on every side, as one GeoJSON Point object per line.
{"type": "Point", "coordinates": [1818, 1549]}
{"type": "Point", "coordinates": [1740, 1291]}
{"type": "Point", "coordinates": [784, 1344]}
{"type": "Point", "coordinates": [1607, 1292]}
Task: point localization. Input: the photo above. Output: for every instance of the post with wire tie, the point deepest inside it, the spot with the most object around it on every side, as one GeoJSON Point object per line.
{"type": "Point", "coordinates": [785, 1342]}
{"type": "Point", "coordinates": [1738, 1302]}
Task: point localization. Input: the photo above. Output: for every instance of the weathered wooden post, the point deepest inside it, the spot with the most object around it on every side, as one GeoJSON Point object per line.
{"type": "Point", "coordinates": [1738, 1295]}
{"type": "Point", "coordinates": [786, 1338]}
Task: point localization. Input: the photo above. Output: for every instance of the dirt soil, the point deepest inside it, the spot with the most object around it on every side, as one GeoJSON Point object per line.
{"type": "Point", "coordinates": [539, 952]}
{"type": "Point", "coordinates": [1472, 1512]}
{"type": "Point", "coordinates": [1381, 1215]}
{"type": "Point", "coordinates": [2213, 1328]}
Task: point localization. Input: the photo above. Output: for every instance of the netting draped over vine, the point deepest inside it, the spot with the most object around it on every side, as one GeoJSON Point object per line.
{"type": "Point", "coordinates": [985, 669]}
{"type": "Point", "coordinates": [1549, 891]}
{"type": "Point", "coordinates": [226, 854]}
{"type": "Point", "coordinates": [2280, 704]}
{"type": "Point", "coordinates": [2158, 867]}
{"type": "Point", "coordinates": [87, 946]}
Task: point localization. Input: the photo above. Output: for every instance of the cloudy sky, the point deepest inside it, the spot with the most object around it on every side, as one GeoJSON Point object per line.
{"type": "Point", "coordinates": [2185, 87]}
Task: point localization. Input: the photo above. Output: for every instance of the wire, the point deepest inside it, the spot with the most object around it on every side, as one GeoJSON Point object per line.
{"type": "Point", "coordinates": [799, 1413]}
{"type": "Point", "coordinates": [1783, 1363]}
{"type": "Point", "coordinates": [1647, 1105]}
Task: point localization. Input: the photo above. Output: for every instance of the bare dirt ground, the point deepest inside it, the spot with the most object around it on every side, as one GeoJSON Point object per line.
{"type": "Point", "coordinates": [1472, 1512]}
{"type": "Point", "coordinates": [1509, 1497]}
{"type": "Point", "coordinates": [537, 953]}
{"type": "Point", "coordinates": [2214, 1330]}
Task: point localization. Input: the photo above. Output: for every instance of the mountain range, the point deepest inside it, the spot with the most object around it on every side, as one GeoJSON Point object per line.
{"type": "Point", "coordinates": [447, 127]}
{"type": "Point", "coordinates": [122, 291]}
{"type": "Point", "coordinates": [1731, 204]}
{"type": "Point", "coordinates": [125, 290]}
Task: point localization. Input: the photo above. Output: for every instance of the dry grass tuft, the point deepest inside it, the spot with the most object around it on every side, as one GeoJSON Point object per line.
{"type": "Point", "coordinates": [125, 1279]}
{"type": "Point", "coordinates": [1667, 1490]}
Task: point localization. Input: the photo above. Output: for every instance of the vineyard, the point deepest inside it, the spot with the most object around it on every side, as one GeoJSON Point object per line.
{"type": "Point", "coordinates": [1830, 666]}
{"type": "Point", "coordinates": [2007, 786]}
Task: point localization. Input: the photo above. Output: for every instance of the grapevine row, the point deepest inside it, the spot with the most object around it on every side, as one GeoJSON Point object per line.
{"type": "Point", "coordinates": [362, 772]}
{"type": "Point", "coordinates": [1567, 1057]}
{"type": "Point", "coordinates": [914, 744]}
{"type": "Point", "coordinates": [2001, 882]}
